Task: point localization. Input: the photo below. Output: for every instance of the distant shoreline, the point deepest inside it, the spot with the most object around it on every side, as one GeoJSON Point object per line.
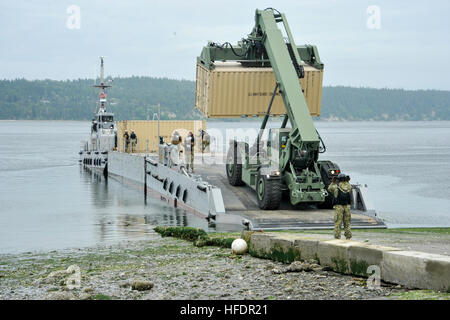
{"type": "Point", "coordinates": [139, 97]}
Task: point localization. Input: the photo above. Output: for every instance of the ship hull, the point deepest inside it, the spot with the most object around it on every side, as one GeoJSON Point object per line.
{"type": "Point", "coordinates": [94, 160]}
{"type": "Point", "coordinates": [166, 184]}
{"type": "Point", "coordinates": [210, 196]}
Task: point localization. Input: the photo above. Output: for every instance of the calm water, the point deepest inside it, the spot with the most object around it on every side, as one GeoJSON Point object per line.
{"type": "Point", "coordinates": [48, 202]}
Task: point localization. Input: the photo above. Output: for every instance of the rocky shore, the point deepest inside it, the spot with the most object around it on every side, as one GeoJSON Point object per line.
{"type": "Point", "coordinates": [169, 268]}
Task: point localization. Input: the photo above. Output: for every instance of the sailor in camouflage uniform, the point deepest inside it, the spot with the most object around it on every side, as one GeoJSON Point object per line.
{"type": "Point", "coordinates": [341, 204]}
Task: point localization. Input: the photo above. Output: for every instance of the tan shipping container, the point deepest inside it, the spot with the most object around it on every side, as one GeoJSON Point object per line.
{"type": "Point", "coordinates": [147, 132]}
{"type": "Point", "coordinates": [231, 90]}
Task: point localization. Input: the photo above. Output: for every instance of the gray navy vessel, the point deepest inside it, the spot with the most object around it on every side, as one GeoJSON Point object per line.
{"type": "Point", "coordinates": [103, 137]}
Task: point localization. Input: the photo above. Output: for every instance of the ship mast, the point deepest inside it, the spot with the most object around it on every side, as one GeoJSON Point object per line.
{"type": "Point", "coordinates": [102, 86]}
{"type": "Point", "coordinates": [102, 70]}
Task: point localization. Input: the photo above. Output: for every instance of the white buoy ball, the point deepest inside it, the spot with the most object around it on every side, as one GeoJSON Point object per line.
{"type": "Point", "coordinates": [239, 246]}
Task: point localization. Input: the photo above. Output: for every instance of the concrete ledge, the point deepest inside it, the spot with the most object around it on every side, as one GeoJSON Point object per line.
{"type": "Point", "coordinates": [417, 269]}
{"type": "Point", "coordinates": [259, 245]}
{"type": "Point", "coordinates": [363, 255]}
{"type": "Point", "coordinates": [282, 249]}
{"type": "Point", "coordinates": [334, 254]}
{"type": "Point", "coordinates": [408, 268]}
{"type": "Point", "coordinates": [278, 247]}
{"type": "Point", "coordinates": [308, 247]}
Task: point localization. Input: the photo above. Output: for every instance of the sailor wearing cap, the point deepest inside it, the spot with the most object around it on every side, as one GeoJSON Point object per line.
{"type": "Point", "coordinates": [341, 189]}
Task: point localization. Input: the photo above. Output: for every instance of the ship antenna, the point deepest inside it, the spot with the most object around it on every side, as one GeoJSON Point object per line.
{"type": "Point", "coordinates": [102, 86]}
{"type": "Point", "coordinates": [102, 71]}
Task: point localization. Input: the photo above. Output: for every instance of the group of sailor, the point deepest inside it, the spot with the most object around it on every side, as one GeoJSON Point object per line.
{"type": "Point", "coordinates": [188, 146]}
{"type": "Point", "coordinates": [130, 139]}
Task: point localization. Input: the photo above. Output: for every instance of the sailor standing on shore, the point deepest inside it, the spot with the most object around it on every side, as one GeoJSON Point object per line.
{"type": "Point", "coordinates": [341, 204]}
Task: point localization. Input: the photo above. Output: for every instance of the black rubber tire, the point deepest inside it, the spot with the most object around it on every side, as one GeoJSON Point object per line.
{"type": "Point", "coordinates": [268, 192]}
{"type": "Point", "coordinates": [234, 170]}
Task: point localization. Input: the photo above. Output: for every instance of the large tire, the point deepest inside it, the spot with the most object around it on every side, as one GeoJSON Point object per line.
{"type": "Point", "coordinates": [234, 169]}
{"type": "Point", "coordinates": [268, 192]}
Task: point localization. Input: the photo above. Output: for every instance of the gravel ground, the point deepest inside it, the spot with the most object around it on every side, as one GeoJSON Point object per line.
{"type": "Point", "coordinates": [168, 268]}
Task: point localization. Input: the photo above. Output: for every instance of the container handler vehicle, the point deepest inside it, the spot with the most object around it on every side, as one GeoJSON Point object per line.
{"type": "Point", "coordinates": [291, 162]}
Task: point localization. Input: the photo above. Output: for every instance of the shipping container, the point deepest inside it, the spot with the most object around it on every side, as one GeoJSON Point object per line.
{"type": "Point", "coordinates": [147, 132]}
{"type": "Point", "coordinates": [231, 90]}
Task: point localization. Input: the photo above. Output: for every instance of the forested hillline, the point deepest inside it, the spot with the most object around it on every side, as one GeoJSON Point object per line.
{"type": "Point", "coordinates": [138, 97]}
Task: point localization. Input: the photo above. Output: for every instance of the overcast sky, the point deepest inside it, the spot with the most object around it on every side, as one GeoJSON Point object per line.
{"type": "Point", "coordinates": [406, 45]}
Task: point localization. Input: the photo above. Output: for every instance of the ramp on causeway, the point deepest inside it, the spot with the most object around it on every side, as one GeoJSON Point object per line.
{"type": "Point", "coordinates": [241, 202]}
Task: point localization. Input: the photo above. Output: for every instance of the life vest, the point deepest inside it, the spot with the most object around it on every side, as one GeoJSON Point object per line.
{"type": "Point", "coordinates": [343, 198]}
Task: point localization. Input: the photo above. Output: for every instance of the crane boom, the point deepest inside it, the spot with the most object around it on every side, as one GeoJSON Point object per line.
{"type": "Point", "coordinates": [303, 130]}
{"type": "Point", "coordinates": [291, 161]}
